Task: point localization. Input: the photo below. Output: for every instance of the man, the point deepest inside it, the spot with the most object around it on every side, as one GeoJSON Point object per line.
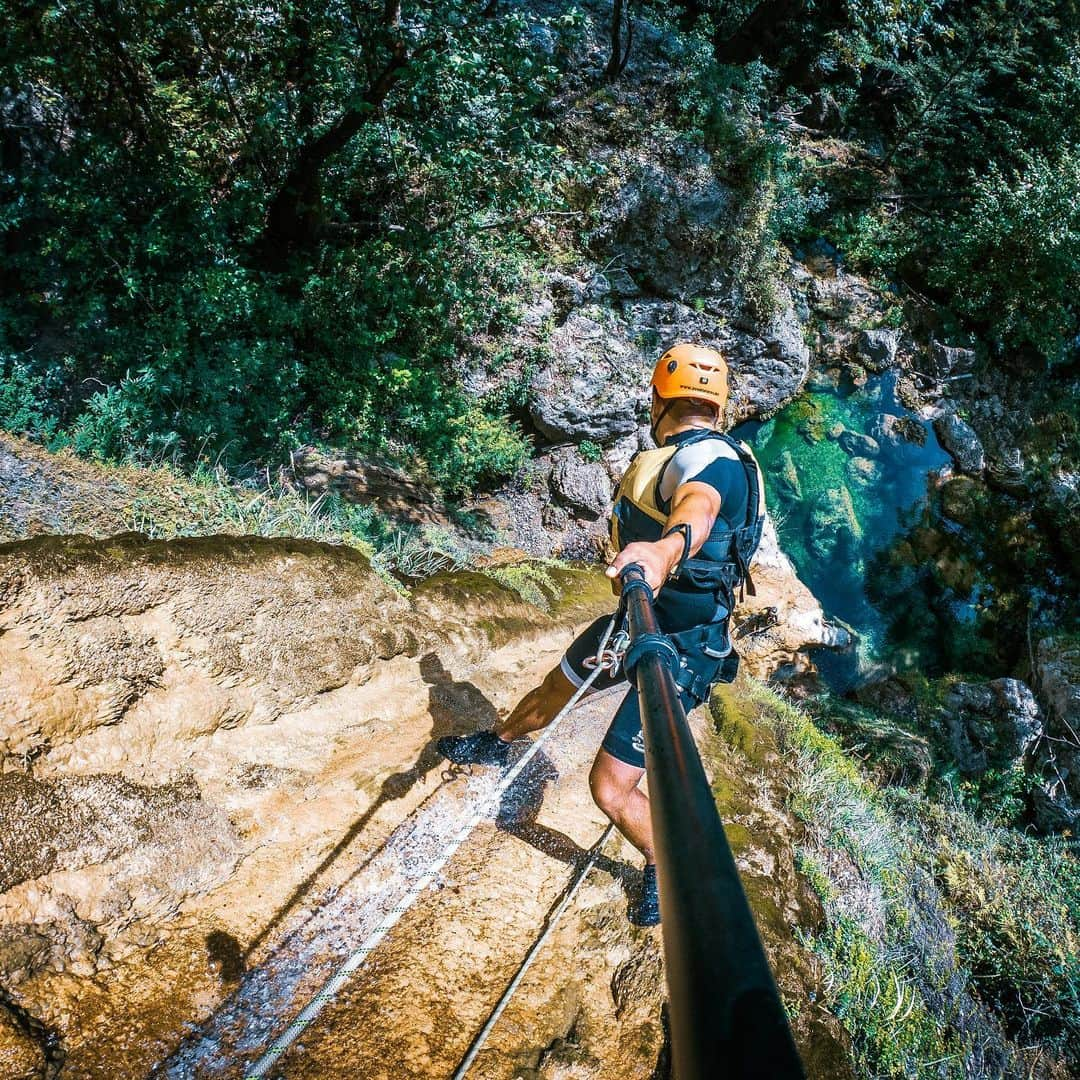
{"type": "Point", "coordinates": [689, 513]}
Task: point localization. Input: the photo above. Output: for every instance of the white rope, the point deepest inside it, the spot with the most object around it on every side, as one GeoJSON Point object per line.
{"type": "Point", "coordinates": [534, 949]}
{"type": "Point", "coordinates": [355, 959]}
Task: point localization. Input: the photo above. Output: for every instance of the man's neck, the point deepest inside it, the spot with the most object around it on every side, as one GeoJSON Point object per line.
{"type": "Point", "coordinates": [693, 424]}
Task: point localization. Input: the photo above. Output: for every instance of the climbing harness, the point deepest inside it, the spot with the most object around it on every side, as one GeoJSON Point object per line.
{"type": "Point", "coordinates": [605, 657]}
{"type": "Point", "coordinates": [640, 513]}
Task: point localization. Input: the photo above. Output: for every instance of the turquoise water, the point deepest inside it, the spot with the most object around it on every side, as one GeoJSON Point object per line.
{"type": "Point", "coordinates": [837, 503]}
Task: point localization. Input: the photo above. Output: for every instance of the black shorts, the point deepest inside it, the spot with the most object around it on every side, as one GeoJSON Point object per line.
{"type": "Point", "coordinates": [624, 740]}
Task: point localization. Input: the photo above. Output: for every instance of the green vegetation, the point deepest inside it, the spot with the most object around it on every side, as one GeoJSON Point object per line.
{"type": "Point", "coordinates": [952, 165]}
{"type": "Point", "coordinates": [589, 450]}
{"type": "Point", "coordinates": [930, 914]}
{"type": "Point", "coordinates": [531, 580]}
{"type": "Point", "coordinates": [231, 228]}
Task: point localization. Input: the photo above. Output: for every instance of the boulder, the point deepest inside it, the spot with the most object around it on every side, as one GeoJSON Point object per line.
{"type": "Point", "coordinates": [901, 436]}
{"type": "Point", "coordinates": [958, 439]}
{"type": "Point", "coordinates": [834, 528]}
{"type": "Point", "coordinates": [946, 360]}
{"type": "Point", "coordinates": [769, 364]}
{"type": "Point", "coordinates": [1005, 469]}
{"type": "Point", "coordinates": [664, 223]}
{"type": "Point", "coordinates": [863, 471]}
{"type": "Point", "coordinates": [991, 724]}
{"type": "Point", "coordinates": [836, 431]}
{"type": "Point", "coordinates": [594, 389]}
{"type": "Point", "coordinates": [859, 445]}
{"type": "Point", "coordinates": [582, 485]}
{"type": "Point", "coordinates": [877, 349]}
{"type": "Point", "coordinates": [785, 476]}
{"type": "Point", "coordinates": [369, 481]}
{"type": "Point", "coordinates": [960, 498]}
{"type": "Point", "coordinates": [773, 628]}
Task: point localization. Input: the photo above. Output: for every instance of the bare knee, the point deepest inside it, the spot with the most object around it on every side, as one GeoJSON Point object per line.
{"type": "Point", "coordinates": [609, 792]}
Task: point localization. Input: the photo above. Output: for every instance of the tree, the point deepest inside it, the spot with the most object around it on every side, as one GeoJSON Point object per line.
{"type": "Point", "coordinates": [249, 224]}
{"type": "Point", "coordinates": [620, 54]}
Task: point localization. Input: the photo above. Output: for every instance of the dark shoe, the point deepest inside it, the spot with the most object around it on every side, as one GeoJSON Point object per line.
{"type": "Point", "coordinates": [479, 748]}
{"type": "Point", "coordinates": [646, 912]}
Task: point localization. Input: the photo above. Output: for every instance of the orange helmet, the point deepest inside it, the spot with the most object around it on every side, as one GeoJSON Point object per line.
{"type": "Point", "coordinates": [692, 371]}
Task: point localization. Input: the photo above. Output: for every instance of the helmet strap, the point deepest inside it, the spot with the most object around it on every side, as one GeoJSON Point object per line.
{"type": "Point", "coordinates": [655, 426]}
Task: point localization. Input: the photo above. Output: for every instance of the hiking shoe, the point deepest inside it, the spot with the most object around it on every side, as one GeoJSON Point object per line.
{"type": "Point", "coordinates": [479, 748]}
{"type": "Point", "coordinates": [646, 912]}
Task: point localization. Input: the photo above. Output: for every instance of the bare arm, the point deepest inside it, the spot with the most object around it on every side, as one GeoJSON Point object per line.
{"type": "Point", "coordinates": [694, 504]}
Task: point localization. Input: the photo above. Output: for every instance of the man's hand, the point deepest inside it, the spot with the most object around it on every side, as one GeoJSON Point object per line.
{"type": "Point", "coordinates": [656, 561]}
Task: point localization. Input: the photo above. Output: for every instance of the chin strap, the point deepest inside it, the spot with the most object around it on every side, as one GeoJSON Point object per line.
{"type": "Point", "coordinates": [663, 412]}
{"type": "Point", "coordinates": [684, 528]}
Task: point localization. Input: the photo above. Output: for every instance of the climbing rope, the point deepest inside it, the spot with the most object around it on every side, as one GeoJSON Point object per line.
{"type": "Point", "coordinates": [549, 925]}
{"type": "Point", "coordinates": [606, 659]}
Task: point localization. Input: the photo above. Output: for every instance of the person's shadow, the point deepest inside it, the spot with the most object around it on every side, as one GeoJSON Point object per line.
{"type": "Point", "coordinates": [519, 811]}
{"type": "Point", "coordinates": [455, 708]}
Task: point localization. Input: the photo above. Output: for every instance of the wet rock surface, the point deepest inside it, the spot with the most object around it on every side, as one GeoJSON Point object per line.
{"type": "Point", "coordinates": [221, 770]}
{"type": "Point", "coordinates": [958, 438]}
{"type": "Point", "coordinates": [994, 723]}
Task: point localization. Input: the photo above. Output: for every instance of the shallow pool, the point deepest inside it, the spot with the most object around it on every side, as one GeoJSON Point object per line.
{"type": "Point", "coordinates": [846, 470]}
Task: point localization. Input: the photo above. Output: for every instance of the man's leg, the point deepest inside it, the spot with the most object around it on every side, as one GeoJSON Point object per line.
{"type": "Point", "coordinates": [614, 787]}
{"type": "Point", "coordinates": [537, 708]}
{"type": "Point", "coordinates": [616, 773]}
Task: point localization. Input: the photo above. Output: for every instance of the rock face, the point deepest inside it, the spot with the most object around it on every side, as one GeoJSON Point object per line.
{"type": "Point", "coordinates": [877, 349]}
{"type": "Point", "coordinates": [595, 389]}
{"type": "Point", "coordinates": [364, 480]}
{"type": "Point", "coordinates": [662, 223]}
{"type": "Point", "coordinates": [1057, 680]}
{"type": "Point", "coordinates": [582, 485]}
{"type": "Point", "coordinates": [958, 439]}
{"type": "Point", "coordinates": [769, 626]}
{"type": "Point", "coordinates": [994, 723]}
{"type": "Point", "coordinates": [206, 741]}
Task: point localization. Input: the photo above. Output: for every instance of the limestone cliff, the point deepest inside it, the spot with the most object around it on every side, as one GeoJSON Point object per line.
{"type": "Point", "coordinates": [210, 742]}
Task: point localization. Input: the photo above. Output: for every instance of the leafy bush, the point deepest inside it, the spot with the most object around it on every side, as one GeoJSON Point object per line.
{"type": "Point", "coordinates": [241, 272]}
{"type": "Point", "coordinates": [729, 108]}
{"type": "Point", "coordinates": [1011, 262]}
{"type": "Point", "coordinates": [928, 911]}
{"type": "Point", "coordinates": [589, 450]}
{"type": "Point", "coordinates": [23, 401]}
